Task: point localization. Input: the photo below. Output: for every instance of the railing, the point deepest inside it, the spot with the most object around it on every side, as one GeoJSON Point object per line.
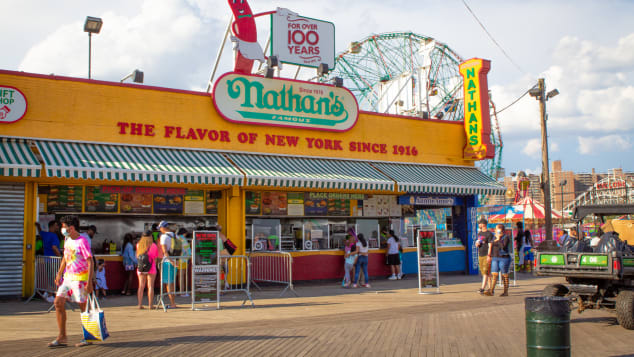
{"type": "Point", "coordinates": [272, 267]}
{"type": "Point", "coordinates": [236, 276]}
{"type": "Point", "coordinates": [175, 267]}
{"type": "Point", "coordinates": [46, 268]}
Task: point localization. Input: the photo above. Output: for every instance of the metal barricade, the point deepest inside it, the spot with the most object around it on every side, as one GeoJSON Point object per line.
{"type": "Point", "coordinates": [46, 268]}
{"type": "Point", "coordinates": [235, 276]}
{"type": "Point", "coordinates": [272, 267]}
{"type": "Point", "coordinates": [176, 269]}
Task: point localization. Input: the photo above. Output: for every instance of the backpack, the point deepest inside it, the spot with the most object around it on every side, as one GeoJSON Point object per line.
{"type": "Point", "coordinates": [177, 246]}
{"type": "Point", "coordinates": [144, 263]}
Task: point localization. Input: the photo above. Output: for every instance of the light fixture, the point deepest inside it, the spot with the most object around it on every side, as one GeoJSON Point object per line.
{"type": "Point", "coordinates": [552, 93]}
{"type": "Point", "coordinates": [272, 62]}
{"type": "Point", "coordinates": [534, 92]}
{"type": "Point", "coordinates": [338, 82]}
{"type": "Point", "coordinates": [92, 25]}
{"type": "Point", "coordinates": [136, 75]}
{"type": "Point", "coordinates": [322, 70]}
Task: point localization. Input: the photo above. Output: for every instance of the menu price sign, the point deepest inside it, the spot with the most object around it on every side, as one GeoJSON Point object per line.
{"type": "Point", "coordinates": [64, 198]}
{"type": "Point", "coordinates": [427, 252]}
{"type": "Point", "coordinates": [136, 203]}
{"type": "Point", "coordinates": [315, 204]}
{"type": "Point", "coordinates": [211, 201]}
{"type": "Point", "coordinates": [338, 207]}
{"type": "Point", "coordinates": [168, 204]}
{"type": "Point", "coordinates": [205, 267]}
{"type": "Point", "coordinates": [194, 202]}
{"type": "Point", "coordinates": [295, 204]}
{"type": "Point", "coordinates": [274, 203]}
{"type": "Point", "coordinates": [252, 202]}
{"type": "Point", "coordinates": [99, 201]}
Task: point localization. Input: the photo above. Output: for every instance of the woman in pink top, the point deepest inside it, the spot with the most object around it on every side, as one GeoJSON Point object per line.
{"type": "Point", "coordinates": [146, 274]}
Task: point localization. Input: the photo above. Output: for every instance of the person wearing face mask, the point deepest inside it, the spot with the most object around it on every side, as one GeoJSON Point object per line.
{"type": "Point", "coordinates": [77, 269]}
{"type": "Point", "coordinates": [499, 251]}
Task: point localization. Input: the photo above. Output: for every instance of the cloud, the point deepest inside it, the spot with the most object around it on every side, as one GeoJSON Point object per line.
{"type": "Point", "coordinates": [609, 143]}
{"type": "Point", "coordinates": [532, 148]}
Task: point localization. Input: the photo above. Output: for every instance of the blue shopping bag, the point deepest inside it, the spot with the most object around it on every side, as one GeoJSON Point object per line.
{"type": "Point", "coordinates": [93, 321]}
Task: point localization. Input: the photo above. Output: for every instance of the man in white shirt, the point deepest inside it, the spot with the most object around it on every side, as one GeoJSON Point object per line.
{"type": "Point", "coordinates": [168, 269]}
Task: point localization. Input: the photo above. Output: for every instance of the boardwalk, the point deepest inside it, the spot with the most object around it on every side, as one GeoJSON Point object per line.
{"type": "Point", "coordinates": [390, 319]}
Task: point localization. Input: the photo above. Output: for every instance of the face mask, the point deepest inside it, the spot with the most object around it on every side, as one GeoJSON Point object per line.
{"type": "Point", "coordinates": [65, 232]}
{"type": "Point", "coordinates": [498, 232]}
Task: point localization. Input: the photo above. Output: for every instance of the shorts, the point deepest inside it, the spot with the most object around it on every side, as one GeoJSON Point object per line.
{"type": "Point", "coordinates": [500, 265]}
{"type": "Point", "coordinates": [484, 266]}
{"type": "Point", "coordinates": [74, 290]}
{"type": "Point", "coordinates": [169, 273]}
{"type": "Point", "coordinates": [393, 259]}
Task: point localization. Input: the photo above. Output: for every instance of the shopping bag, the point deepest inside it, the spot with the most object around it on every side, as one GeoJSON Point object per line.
{"type": "Point", "coordinates": [93, 321]}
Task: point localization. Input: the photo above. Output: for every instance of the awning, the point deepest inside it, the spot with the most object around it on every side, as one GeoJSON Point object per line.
{"type": "Point", "coordinates": [17, 159]}
{"type": "Point", "coordinates": [130, 163]}
{"type": "Point", "coordinates": [441, 179]}
{"type": "Point", "coordinates": [284, 171]}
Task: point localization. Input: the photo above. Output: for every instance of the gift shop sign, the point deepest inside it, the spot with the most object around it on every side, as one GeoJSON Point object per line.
{"type": "Point", "coordinates": [279, 102]}
{"type": "Point", "coordinates": [477, 122]}
{"type": "Point", "coordinates": [301, 40]}
{"type": "Point", "coordinates": [12, 104]}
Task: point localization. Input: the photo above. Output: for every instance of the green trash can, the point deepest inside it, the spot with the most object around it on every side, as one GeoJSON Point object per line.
{"type": "Point", "coordinates": [547, 326]}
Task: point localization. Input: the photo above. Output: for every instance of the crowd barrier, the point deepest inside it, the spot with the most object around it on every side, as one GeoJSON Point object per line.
{"type": "Point", "coordinates": [272, 267]}
{"type": "Point", "coordinates": [175, 274]}
{"type": "Point", "coordinates": [46, 268]}
{"type": "Point", "coordinates": [236, 276]}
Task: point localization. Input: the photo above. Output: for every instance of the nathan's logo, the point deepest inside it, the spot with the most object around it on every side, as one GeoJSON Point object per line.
{"type": "Point", "coordinates": [12, 104]}
{"type": "Point", "coordinates": [477, 122]}
{"type": "Point", "coordinates": [268, 101]}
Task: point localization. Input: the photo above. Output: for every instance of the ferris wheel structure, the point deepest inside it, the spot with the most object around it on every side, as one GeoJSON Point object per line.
{"type": "Point", "coordinates": [404, 73]}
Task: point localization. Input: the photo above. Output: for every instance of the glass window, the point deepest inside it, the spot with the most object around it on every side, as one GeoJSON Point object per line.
{"type": "Point", "coordinates": [370, 230]}
{"type": "Point", "coordinates": [265, 235]}
{"type": "Point", "coordinates": [316, 234]}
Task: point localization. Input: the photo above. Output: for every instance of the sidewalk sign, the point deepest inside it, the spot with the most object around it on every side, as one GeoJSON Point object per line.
{"type": "Point", "coordinates": [427, 252]}
{"type": "Point", "coordinates": [205, 269]}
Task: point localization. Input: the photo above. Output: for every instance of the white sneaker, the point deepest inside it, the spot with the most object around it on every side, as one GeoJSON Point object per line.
{"type": "Point", "coordinates": [400, 276]}
{"type": "Point", "coordinates": [392, 277]}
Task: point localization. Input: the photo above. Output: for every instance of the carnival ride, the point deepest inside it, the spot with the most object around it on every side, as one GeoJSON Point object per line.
{"type": "Point", "coordinates": [609, 191]}
{"type": "Point", "coordinates": [404, 73]}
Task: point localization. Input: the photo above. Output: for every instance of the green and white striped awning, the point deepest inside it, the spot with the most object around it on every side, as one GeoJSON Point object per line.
{"type": "Point", "coordinates": [130, 163]}
{"type": "Point", "coordinates": [17, 159]}
{"type": "Point", "coordinates": [441, 179]}
{"type": "Point", "coordinates": [296, 172]}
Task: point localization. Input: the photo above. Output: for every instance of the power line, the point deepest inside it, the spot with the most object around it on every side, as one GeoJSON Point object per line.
{"type": "Point", "coordinates": [493, 39]}
{"type": "Point", "coordinates": [515, 101]}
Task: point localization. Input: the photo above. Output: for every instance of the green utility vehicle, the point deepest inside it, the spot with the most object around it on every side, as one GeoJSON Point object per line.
{"type": "Point", "coordinates": [594, 280]}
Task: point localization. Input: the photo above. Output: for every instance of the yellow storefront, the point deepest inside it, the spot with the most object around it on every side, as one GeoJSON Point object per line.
{"type": "Point", "coordinates": [133, 143]}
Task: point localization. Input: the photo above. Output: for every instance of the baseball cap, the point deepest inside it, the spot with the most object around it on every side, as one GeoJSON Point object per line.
{"type": "Point", "coordinates": [162, 224]}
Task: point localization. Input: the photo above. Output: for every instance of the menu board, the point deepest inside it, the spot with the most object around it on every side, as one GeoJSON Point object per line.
{"type": "Point", "coordinates": [194, 202]}
{"type": "Point", "coordinates": [211, 201]}
{"type": "Point", "coordinates": [99, 201]}
{"type": "Point", "coordinates": [64, 198]}
{"type": "Point", "coordinates": [427, 259]}
{"type": "Point", "coordinates": [315, 204]}
{"type": "Point", "coordinates": [274, 203]}
{"type": "Point", "coordinates": [252, 202]}
{"type": "Point", "coordinates": [295, 203]}
{"type": "Point", "coordinates": [136, 203]}
{"type": "Point", "coordinates": [338, 207]}
{"type": "Point", "coordinates": [168, 204]}
{"type": "Point", "coordinates": [205, 267]}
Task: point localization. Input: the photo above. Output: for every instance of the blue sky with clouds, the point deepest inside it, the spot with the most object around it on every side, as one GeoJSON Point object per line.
{"type": "Point", "coordinates": [583, 48]}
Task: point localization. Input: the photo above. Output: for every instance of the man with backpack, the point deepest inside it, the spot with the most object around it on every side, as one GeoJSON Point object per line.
{"type": "Point", "coordinates": [168, 269]}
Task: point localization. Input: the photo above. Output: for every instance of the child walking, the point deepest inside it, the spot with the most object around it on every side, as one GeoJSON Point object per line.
{"type": "Point", "coordinates": [101, 278]}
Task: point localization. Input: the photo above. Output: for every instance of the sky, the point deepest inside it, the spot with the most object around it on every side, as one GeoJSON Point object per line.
{"type": "Point", "coordinates": [583, 48]}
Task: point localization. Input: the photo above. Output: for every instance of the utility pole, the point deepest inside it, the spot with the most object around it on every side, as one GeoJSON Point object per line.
{"type": "Point", "coordinates": [540, 94]}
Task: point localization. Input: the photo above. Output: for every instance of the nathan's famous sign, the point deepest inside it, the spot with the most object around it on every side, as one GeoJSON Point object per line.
{"type": "Point", "coordinates": [252, 99]}
{"type": "Point", "coordinates": [477, 122]}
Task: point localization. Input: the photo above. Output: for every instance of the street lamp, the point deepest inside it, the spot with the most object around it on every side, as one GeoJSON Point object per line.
{"type": "Point", "coordinates": [539, 93]}
{"type": "Point", "coordinates": [92, 25]}
{"type": "Point", "coordinates": [562, 183]}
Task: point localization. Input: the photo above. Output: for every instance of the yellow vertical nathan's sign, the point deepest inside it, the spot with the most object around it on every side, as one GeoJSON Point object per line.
{"type": "Point", "coordinates": [477, 122]}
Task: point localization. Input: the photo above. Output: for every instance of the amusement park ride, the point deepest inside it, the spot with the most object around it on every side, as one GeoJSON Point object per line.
{"type": "Point", "coordinates": [397, 73]}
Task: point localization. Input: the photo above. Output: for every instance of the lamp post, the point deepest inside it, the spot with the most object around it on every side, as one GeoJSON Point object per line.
{"type": "Point", "coordinates": [92, 25]}
{"type": "Point", "coordinates": [562, 183]}
{"type": "Point", "coordinates": [136, 75]}
{"type": "Point", "coordinates": [539, 92]}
